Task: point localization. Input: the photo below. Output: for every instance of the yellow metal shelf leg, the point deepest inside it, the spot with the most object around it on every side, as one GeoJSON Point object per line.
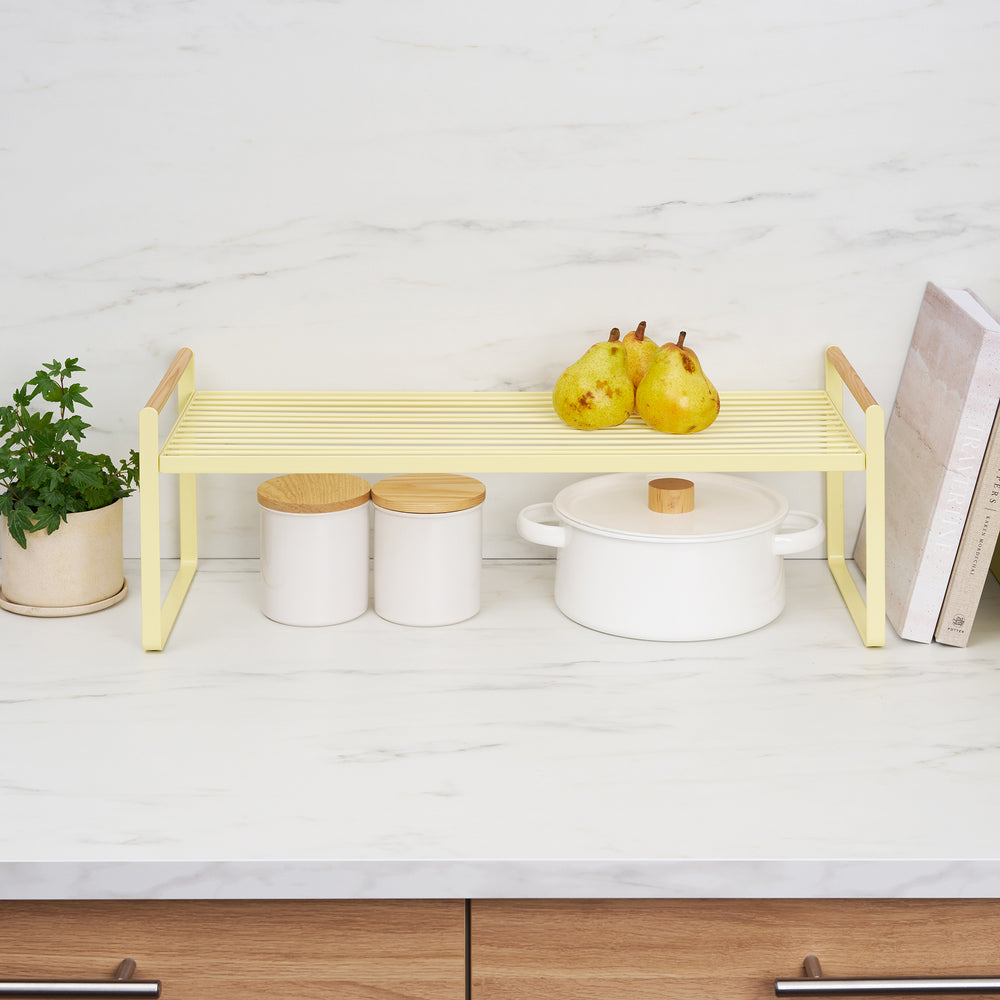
{"type": "Point", "coordinates": [149, 529]}
{"type": "Point", "coordinates": [868, 611]}
{"type": "Point", "coordinates": [875, 525]}
{"type": "Point", "coordinates": [188, 516]}
{"type": "Point", "coordinates": [158, 618]}
{"type": "Point", "coordinates": [835, 552]}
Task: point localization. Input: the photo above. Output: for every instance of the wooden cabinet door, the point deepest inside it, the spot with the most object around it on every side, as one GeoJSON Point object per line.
{"type": "Point", "coordinates": [725, 949]}
{"type": "Point", "coordinates": [222, 950]}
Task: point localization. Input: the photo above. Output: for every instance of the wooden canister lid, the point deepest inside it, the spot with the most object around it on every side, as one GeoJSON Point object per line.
{"type": "Point", "coordinates": [313, 493]}
{"type": "Point", "coordinates": [428, 493]}
{"type": "Point", "coordinates": [671, 496]}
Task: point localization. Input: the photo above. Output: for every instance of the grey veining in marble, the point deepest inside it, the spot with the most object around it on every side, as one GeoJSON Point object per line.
{"type": "Point", "coordinates": [388, 195]}
{"type": "Point", "coordinates": [514, 754]}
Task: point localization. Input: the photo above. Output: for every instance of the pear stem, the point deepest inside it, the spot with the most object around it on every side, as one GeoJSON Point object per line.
{"type": "Point", "coordinates": [640, 331]}
{"type": "Point", "coordinates": [680, 339]}
{"type": "Point", "coordinates": [615, 334]}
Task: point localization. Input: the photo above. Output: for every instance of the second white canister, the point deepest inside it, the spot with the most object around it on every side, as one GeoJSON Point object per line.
{"type": "Point", "coordinates": [314, 548]}
{"type": "Point", "coordinates": [428, 548]}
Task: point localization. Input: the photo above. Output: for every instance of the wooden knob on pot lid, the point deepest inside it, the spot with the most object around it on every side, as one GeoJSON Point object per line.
{"type": "Point", "coordinates": [671, 496]}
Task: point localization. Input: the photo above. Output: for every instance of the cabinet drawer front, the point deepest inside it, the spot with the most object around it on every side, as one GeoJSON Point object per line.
{"type": "Point", "coordinates": [217, 950]}
{"type": "Point", "coordinates": [732, 949]}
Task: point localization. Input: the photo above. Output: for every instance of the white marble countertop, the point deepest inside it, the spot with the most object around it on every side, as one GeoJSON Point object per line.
{"type": "Point", "coordinates": [516, 754]}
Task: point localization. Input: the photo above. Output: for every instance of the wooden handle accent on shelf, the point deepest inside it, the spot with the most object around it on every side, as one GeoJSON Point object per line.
{"type": "Point", "coordinates": [671, 496]}
{"type": "Point", "coordinates": [169, 381]}
{"type": "Point", "coordinates": [851, 378]}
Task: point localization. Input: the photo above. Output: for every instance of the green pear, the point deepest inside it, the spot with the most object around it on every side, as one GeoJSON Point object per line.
{"type": "Point", "coordinates": [639, 351]}
{"type": "Point", "coordinates": [675, 395]}
{"type": "Point", "coordinates": [596, 391]}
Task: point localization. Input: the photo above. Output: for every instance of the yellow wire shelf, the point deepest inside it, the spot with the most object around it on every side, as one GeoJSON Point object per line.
{"type": "Point", "coordinates": [481, 432]}
{"type": "Point", "coordinates": [277, 432]}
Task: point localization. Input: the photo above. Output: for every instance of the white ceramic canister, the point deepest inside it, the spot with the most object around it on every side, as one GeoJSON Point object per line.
{"type": "Point", "coordinates": [428, 548]}
{"type": "Point", "coordinates": [314, 548]}
{"type": "Point", "coordinates": [657, 557]}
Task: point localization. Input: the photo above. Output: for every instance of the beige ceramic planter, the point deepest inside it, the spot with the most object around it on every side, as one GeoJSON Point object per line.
{"type": "Point", "coordinates": [75, 570]}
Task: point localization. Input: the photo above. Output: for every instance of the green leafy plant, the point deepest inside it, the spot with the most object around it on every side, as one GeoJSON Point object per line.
{"type": "Point", "coordinates": [44, 475]}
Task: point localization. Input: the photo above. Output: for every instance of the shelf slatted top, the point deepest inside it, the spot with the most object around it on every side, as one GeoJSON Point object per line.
{"type": "Point", "coordinates": [284, 432]}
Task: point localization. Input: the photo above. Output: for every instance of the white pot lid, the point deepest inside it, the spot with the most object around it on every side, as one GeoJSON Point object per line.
{"type": "Point", "coordinates": [618, 504]}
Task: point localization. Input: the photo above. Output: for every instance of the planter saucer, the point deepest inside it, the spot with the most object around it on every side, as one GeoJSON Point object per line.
{"type": "Point", "coordinates": [79, 609]}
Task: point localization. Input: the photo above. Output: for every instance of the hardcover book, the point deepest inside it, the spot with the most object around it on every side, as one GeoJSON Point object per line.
{"type": "Point", "coordinates": [975, 551]}
{"type": "Point", "coordinates": [935, 440]}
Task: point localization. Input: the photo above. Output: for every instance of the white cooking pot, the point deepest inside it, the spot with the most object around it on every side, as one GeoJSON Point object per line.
{"type": "Point", "coordinates": [636, 559]}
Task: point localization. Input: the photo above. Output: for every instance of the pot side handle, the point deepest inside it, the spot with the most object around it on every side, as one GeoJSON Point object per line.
{"type": "Point", "coordinates": [806, 534]}
{"type": "Point", "coordinates": [531, 528]}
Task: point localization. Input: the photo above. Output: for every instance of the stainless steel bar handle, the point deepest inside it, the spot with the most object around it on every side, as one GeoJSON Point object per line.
{"type": "Point", "coordinates": [885, 987]}
{"type": "Point", "coordinates": [816, 984]}
{"type": "Point", "coordinates": [123, 985]}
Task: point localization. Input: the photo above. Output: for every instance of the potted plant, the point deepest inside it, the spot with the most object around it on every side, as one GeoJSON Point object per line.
{"type": "Point", "coordinates": [60, 506]}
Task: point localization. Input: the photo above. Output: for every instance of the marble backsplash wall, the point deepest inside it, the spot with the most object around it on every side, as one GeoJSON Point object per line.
{"type": "Point", "coordinates": [390, 194]}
